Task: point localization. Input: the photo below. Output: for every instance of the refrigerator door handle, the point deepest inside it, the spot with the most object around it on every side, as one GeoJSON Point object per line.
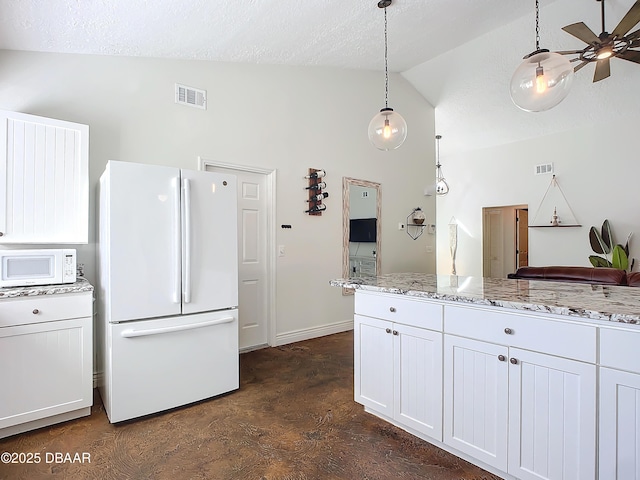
{"type": "Point", "coordinates": [187, 240]}
{"type": "Point", "coordinates": [132, 333]}
{"type": "Point", "coordinates": [177, 261]}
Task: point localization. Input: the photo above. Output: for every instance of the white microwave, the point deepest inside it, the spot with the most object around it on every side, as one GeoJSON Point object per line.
{"type": "Point", "coordinates": [21, 268]}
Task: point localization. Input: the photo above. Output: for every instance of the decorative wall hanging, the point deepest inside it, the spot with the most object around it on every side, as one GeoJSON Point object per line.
{"type": "Point", "coordinates": [602, 48]}
{"type": "Point", "coordinates": [552, 202]}
{"type": "Point", "coordinates": [415, 223]}
{"type": "Point", "coordinates": [316, 195]}
{"type": "Point", "coordinates": [453, 243]}
{"type": "Point", "coordinates": [543, 79]}
{"type": "Point", "coordinates": [387, 130]}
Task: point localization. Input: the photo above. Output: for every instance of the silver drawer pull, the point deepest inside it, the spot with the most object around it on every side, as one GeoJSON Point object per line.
{"type": "Point", "coordinates": [502, 358]}
{"type": "Point", "coordinates": [388, 330]}
{"type": "Point", "coordinates": [514, 361]}
{"type": "Point", "coordinates": [392, 309]}
{"type": "Point", "coordinates": [36, 311]}
{"type": "Point", "coordinates": [508, 331]}
{"type": "Point", "coordinates": [395, 332]}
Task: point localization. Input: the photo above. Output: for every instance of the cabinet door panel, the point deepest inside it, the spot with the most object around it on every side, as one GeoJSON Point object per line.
{"type": "Point", "coordinates": [619, 425]}
{"type": "Point", "coordinates": [373, 364]}
{"type": "Point", "coordinates": [44, 170]}
{"type": "Point", "coordinates": [552, 413]}
{"type": "Point", "coordinates": [51, 370]}
{"type": "Point", "coordinates": [475, 399]}
{"type": "Point", "coordinates": [418, 374]}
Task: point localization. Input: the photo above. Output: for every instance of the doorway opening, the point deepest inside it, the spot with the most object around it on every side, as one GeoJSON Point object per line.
{"type": "Point", "coordinates": [505, 235]}
{"type": "Point", "coordinates": [256, 258]}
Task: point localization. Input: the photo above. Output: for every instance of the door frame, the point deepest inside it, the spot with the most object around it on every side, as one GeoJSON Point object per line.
{"type": "Point", "coordinates": [270, 175]}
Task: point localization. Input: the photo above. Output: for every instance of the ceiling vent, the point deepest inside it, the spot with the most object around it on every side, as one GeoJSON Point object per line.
{"type": "Point", "coordinates": [190, 96]}
{"type": "Point", "coordinates": [543, 169]}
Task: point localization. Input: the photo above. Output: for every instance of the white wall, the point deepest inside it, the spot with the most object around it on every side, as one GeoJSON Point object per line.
{"type": "Point", "coordinates": [489, 147]}
{"type": "Point", "coordinates": [284, 118]}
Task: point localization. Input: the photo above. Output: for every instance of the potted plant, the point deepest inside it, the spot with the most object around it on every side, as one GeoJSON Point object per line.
{"type": "Point", "coordinates": [615, 255]}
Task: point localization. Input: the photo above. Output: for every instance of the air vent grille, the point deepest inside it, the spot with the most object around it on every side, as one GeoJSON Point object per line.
{"type": "Point", "coordinates": [543, 169]}
{"type": "Point", "coordinates": [190, 96]}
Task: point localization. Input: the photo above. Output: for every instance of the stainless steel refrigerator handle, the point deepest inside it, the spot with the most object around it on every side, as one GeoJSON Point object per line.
{"type": "Point", "coordinates": [187, 241]}
{"type": "Point", "coordinates": [177, 260]}
{"type": "Point", "coordinates": [131, 333]}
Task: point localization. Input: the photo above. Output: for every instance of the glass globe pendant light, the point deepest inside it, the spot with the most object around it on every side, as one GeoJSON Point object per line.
{"type": "Point", "coordinates": [543, 79]}
{"type": "Point", "coordinates": [387, 130]}
{"type": "Point", "coordinates": [442, 187]}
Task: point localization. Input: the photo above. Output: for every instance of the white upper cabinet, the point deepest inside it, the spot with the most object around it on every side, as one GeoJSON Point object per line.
{"type": "Point", "coordinates": [44, 172]}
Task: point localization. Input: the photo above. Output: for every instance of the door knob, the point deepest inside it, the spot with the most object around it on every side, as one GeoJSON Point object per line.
{"type": "Point", "coordinates": [36, 311]}
{"type": "Point", "coordinates": [502, 358]}
{"type": "Point", "coordinates": [508, 331]}
{"type": "Point", "coordinates": [395, 332]}
{"type": "Point", "coordinates": [388, 330]}
{"type": "Point", "coordinates": [392, 309]}
{"type": "Point", "coordinates": [514, 361]}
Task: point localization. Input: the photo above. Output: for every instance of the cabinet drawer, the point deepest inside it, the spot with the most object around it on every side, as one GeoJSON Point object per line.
{"type": "Point", "coordinates": [619, 349]}
{"type": "Point", "coordinates": [397, 308]}
{"type": "Point", "coordinates": [44, 308]}
{"type": "Point", "coordinates": [564, 339]}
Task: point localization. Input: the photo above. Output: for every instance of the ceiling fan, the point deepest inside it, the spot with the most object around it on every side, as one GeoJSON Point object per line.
{"type": "Point", "coordinates": [602, 48]}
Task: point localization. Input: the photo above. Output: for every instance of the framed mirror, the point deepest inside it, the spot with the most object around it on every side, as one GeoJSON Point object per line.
{"type": "Point", "coordinates": [361, 227]}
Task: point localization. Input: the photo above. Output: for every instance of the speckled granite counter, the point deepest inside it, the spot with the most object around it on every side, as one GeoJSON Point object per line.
{"type": "Point", "coordinates": [594, 302]}
{"type": "Point", "coordinates": [81, 285]}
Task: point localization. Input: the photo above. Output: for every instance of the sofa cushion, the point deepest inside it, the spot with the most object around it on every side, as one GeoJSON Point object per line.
{"type": "Point", "coordinates": [633, 279]}
{"type": "Point", "coordinates": [592, 275]}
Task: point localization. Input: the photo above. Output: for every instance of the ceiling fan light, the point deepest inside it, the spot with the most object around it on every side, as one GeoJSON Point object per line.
{"type": "Point", "coordinates": [541, 81]}
{"type": "Point", "coordinates": [604, 52]}
{"type": "Point", "coordinates": [387, 130]}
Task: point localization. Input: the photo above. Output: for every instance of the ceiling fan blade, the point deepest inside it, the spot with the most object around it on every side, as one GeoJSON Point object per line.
{"type": "Point", "coordinates": [603, 70]}
{"type": "Point", "coordinates": [631, 55]}
{"type": "Point", "coordinates": [581, 31]}
{"type": "Point", "coordinates": [569, 52]}
{"type": "Point", "coordinates": [578, 67]}
{"type": "Point", "coordinates": [629, 21]}
{"type": "Point", "coordinates": [634, 35]}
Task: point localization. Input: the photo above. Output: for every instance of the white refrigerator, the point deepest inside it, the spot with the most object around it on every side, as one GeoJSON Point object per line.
{"type": "Point", "coordinates": [167, 288]}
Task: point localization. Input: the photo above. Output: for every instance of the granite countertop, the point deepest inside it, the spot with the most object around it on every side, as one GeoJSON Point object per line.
{"type": "Point", "coordinates": [81, 285]}
{"type": "Point", "coordinates": [595, 302]}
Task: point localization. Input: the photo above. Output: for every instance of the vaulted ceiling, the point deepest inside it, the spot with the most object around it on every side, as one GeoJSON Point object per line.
{"type": "Point", "coordinates": [337, 33]}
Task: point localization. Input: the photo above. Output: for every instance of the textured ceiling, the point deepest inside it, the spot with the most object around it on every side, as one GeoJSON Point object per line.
{"type": "Point", "coordinates": [338, 33]}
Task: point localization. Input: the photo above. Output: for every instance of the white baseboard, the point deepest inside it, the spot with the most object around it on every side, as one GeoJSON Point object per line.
{"type": "Point", "coordinates": [313, 332]}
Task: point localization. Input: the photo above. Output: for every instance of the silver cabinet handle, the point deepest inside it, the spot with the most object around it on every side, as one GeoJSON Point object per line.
{"type": "Point", "coordinates": [1, 234]}
{"type": "Point", "coordinates": [392, 309]}
{"type": "Point", "coordinates": [502, 358]}
{"type": "Point", "coordinates": [36, 311]}
{"type": "Point", "coordinates": [395, 332]}
{"type": "Point", "coordinates": [514, 361]}
{"type": "Point", "coordinates": [388, 330]}
{"type": "Point", "coordinates": [508, 331]}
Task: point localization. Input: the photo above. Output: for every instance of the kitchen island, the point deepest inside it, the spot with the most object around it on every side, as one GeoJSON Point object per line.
{"type": "Point", "coordinates": [527, 379]}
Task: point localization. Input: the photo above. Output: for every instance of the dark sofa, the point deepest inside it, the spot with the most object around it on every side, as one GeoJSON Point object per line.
{"type": "Point", "coordinates": [592, 275]}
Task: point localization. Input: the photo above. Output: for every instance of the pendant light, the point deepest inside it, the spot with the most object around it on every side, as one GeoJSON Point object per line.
{"type": "Point", "coordinates": [442, 187]}
{"type": "Point", "coordinates": [387, 130]}
{"type": "Point", "coordinates": [543, 80]}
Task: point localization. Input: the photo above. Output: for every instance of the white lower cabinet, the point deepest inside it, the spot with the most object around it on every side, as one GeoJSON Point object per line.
{"type": "Point", "coordinates": [619, 420]}
{"type": "Point", "coordinates": [46, 353]}
{"type": "Point", "coordinates": [527, 396]}
{"type": "Point", "coordinates": [398, 367]}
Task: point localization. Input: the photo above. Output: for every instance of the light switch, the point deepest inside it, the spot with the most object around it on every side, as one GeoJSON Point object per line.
{"type": "Point", "coordinates": [281, 250]}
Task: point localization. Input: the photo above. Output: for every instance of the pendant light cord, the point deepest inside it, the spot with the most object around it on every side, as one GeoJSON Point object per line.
{"type": "Point", "coordinates": [537, 25]}
{"type": "Point", "coordinates": [386, 65]}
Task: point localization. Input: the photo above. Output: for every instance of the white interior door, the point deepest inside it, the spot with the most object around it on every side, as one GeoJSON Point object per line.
{"type": "Point", "coordinates": [253, 258]}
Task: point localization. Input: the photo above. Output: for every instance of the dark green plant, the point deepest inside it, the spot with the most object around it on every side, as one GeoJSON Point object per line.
{"type": "Point", "coordinates": [615, 255]}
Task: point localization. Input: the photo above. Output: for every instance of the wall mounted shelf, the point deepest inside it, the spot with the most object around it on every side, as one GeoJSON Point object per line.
{"type": "Point", "coordinates": [415, 228]}
{"type": "Point", "coordinates": [554, 201]}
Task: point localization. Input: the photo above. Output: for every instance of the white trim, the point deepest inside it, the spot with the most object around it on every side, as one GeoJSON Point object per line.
{"type": "Point", "coordinates": [270, 174]}
{"type": "Point", "coordinates": [313, 332]}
